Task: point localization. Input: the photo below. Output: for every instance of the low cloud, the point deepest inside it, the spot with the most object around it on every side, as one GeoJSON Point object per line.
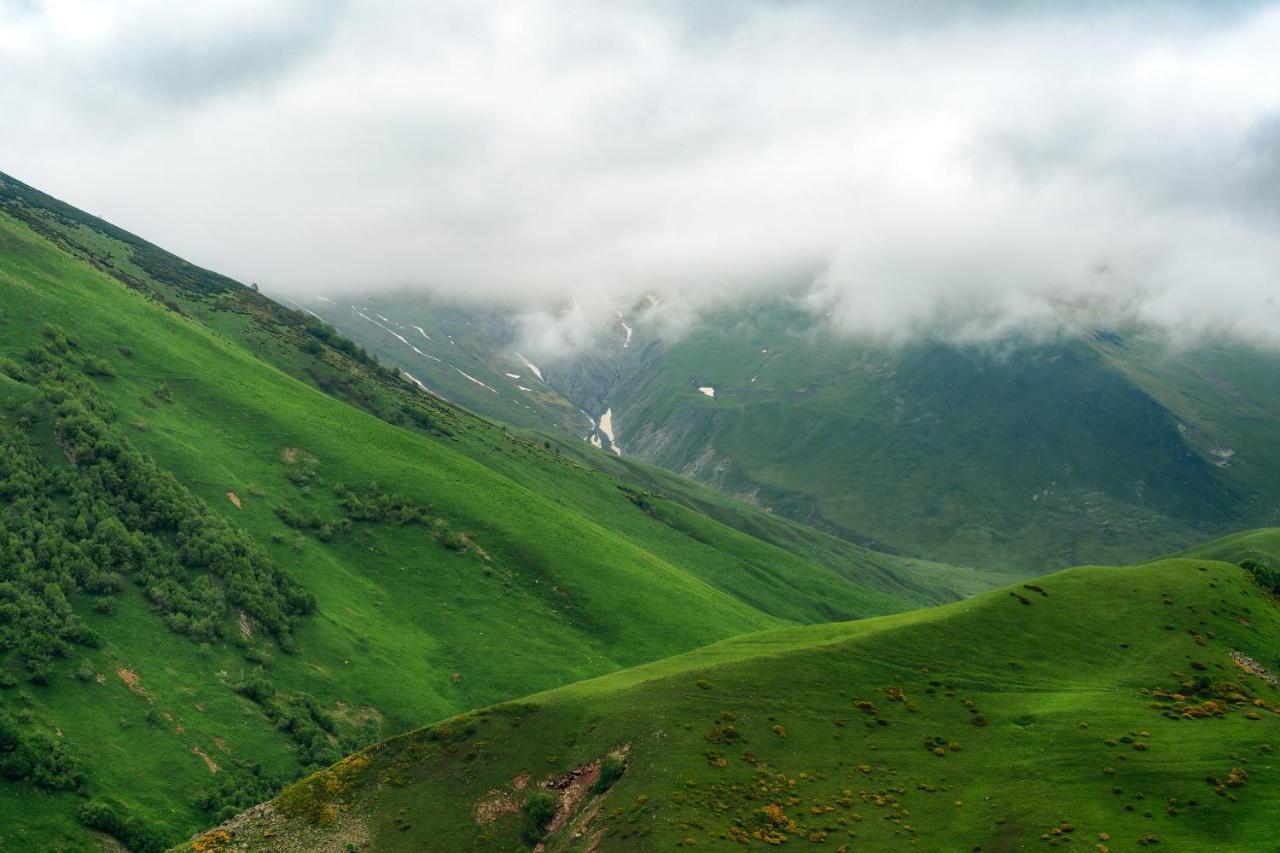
{"type": "Point", "coordinates": [914, 169]}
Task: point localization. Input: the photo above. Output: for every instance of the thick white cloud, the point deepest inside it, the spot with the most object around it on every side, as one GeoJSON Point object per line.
{"type": "Point", "coordinates": [998, 169]}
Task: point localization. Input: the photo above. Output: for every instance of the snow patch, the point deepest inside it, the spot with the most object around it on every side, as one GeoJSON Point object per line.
{"type": "Point", "coordinates": [626, 329]}
{"type": "Point", "coordinates": [606, 427]}
{"type": "Point", "coordinates": [708, 390]}
{"type": "Point", "coordinates": [414, 380]}
{"type": "Point", "coordinates": [300, 308]}
{"type": "Point", "coordinates": [473, 379]}
{"type": "Point", "coordinates": [522, 388]}
{"type": "Point", "coordinates": [420, 331]}
{"type": "Point", "coordinates": [399, 336]}
{"type": "Point", "coordinates": [326, 299]}
{"type": "Point", "coordinates": [513, 375]}
{"type": "Point", "coordinates": [532, 367]}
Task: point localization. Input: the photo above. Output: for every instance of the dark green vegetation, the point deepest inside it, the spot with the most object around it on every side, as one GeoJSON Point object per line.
{"type": "Point", "coordinates": [1020, 456]}
{"type": "Point", "coordinates": [236, 547]}
{"type": "Point", "coordinates": [1096, 709]}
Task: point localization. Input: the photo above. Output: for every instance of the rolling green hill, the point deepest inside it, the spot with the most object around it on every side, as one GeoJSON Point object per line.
{"type": "Point", "coordinates": [233, 547]}
{"type": "Point", "coordinates": [1018, 455]}
{"type": "Point", "coordinates": [1096, 708]}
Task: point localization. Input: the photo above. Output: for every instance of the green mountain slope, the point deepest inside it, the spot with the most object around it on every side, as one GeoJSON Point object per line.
{"type": "Point", "coordinates": [1017, 456]}
{"type": "Point", "coordinates": [1100, 708]}
{"type": "Point", "coordinates": [299, 344]}
{"type": "Point", "coordinates": [236, 547]}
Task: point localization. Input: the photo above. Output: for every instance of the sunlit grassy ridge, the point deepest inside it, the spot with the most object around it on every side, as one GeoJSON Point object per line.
{"type": "Point", "coordinates": [1098, 708]}
{"type": "Point", "coordinates": [498, 566]}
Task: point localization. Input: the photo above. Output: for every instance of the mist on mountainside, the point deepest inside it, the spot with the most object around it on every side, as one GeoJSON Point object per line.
{"type": "Point", "coordinates": [922, 171]}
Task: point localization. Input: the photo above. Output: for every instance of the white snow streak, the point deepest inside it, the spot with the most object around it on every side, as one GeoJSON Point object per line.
{"type": "Point", "coordinates": [308, 310]}
{"type": "Point", "coordinates": [473, 379]}
{"type": "Point", "coordinates": [415, 380]}
{"type": "Point", "coordinates": [399, 336]}
{"type": "Point", "coordinates": [533, 367]}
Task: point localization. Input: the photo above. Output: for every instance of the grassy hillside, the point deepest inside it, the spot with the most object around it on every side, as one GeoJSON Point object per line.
{"type": "Point", "coordinates": [1018, 456]}
{"type": "Point", "coordinates": [236, 547]}
{"type": "Point", "coordinates": [299, 344]}
{"type": "Point", "coordinates": [1096, 708]}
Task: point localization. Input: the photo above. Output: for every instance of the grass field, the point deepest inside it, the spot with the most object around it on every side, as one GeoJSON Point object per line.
{"type": "Point", "coordinates": [1096, 708]}
{"type": "Point", "coordinates": [536, 571]}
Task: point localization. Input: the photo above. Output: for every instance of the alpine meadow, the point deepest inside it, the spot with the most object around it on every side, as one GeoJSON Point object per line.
{"type": "Point", "coordinates": [639, 426]}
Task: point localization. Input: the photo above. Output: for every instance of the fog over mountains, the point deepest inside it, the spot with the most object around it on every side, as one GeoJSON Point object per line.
{"type": "Point", "coordinates": [967, 175]}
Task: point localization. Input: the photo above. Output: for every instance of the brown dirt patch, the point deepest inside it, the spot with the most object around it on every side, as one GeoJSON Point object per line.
{"type": "Point", "coordinates": [234, 498]}
{"type": "Point", "coordinates": [494, 805]}
{"type": "Point", "coordinates": [356, 716]}
{"type": "Point", "coordinates": [573, 787]}
{"type": "Point", "coordinates": [294, 455]}
{"type": "Point", "coordinates": [132, 680]}
{"type": "Point", "coordinates": [584, 824]}
{"type": "Point", "coordinates": [245, 624]}
{"type": "Point", "coordinates": [221, 744]}
{"type": "Point", "coordinates": [521, 781]}
{"type": "Point", "coordinates": [204, 756]}
{"type": "Point", "coordinates": [593, 844]}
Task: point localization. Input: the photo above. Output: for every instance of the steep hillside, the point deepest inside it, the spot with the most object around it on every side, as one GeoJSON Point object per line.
{"type": "Point", "coordinates": [299, 344]}
{"type": "Point", "coordinates": [1017, 456]}
{"type": "Point", "coordinates": [1096, 708]}
{"type": "Point", "coordinates": [233, 547]}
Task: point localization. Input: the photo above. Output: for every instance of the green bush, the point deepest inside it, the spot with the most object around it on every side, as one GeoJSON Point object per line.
{"type": "Point", "coordinates": [131, 831]}
{"type": "Point", "coordinates": [539, 811]}
{"type": "Point", "coordinates": [611, 770]}
{"type": "Point", "coordinates": [1267, 577]}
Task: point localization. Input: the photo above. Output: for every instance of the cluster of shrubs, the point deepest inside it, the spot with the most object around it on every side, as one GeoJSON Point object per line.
{"type": "Point", "coordinates": [230, 793]}
{"type": "Point", "coordinates": [1267, 577]}
{"type": "Point", "coordinates": [132, 831]}
{"type": "Point", "coordinates": [37, 758]}
{"type": "Point", "coordinates": [298, 715]}
{"type": "Point", "coordinates": [48, 552]}
{"type": "Point", "coordinates": [108, 516]}
{"type": "Point", "coordinates": [166, 532]}
{"type": "Point", "coordinates": [371, 504]}
{"type": "Point", "coordinates": [326, 334]}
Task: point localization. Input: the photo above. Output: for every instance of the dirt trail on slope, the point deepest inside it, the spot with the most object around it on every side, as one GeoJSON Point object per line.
{"type": "Point", "coordinates": [209, 762]}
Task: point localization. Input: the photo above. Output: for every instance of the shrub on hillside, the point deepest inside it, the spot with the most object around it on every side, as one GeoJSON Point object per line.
{"type": "Point", "coordinates": [539, 811]}
{"type": "Point", "coordinates": [611, 770]}
{"type": "Point", "coordinates": [1267, 577]}
{"type": "Point", "coordinates": [130, 830]}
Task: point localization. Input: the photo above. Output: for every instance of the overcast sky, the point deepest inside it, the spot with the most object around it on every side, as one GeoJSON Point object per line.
{"type": "Point", "coordinates": [993, 168]}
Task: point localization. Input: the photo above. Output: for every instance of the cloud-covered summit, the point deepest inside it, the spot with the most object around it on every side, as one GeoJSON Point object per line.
{"type": "Point", "coordinates": [919, 167]}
